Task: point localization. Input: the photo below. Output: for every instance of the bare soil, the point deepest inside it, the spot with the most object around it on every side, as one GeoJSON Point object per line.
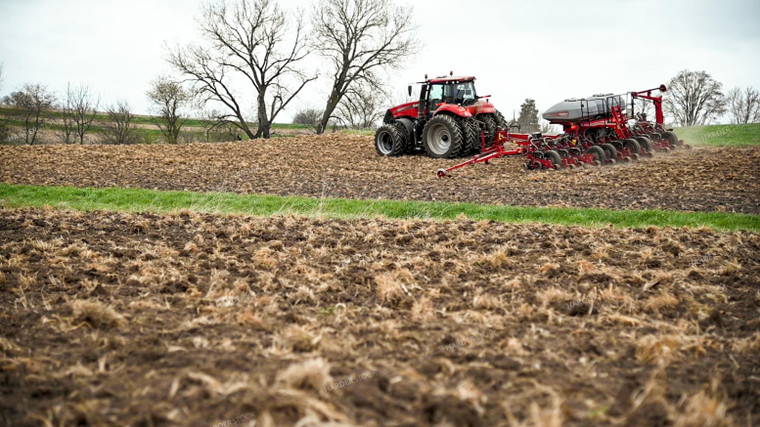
{"type": "Point", "coordinates": [338, 165]}
{"type": "Point", "coordinates": [195, 320]}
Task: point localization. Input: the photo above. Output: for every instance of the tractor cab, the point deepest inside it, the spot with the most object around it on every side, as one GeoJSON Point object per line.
{"type": "Point", "coordinates": [445, 90]}
{"type": "Point", "coordinates": [461, 93]}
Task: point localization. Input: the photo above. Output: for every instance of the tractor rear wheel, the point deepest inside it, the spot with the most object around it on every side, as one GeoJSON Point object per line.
{"type": "Point", "coordinates": [442, 137]}
{"type": "Point", "coordinates": [499, 119]}
{"type": "Point", "coordinates": [389, 141]}
{"type": "Point", "coordinates": [488, 125]}
{"type": "Point", "coordinates": [471, 135]}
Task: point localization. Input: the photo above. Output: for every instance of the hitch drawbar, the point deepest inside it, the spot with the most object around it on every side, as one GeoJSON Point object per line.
{"type": "Point", "coordinates": [494, 151]}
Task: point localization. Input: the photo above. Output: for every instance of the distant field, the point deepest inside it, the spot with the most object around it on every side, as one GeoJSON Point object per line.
{"type": "Point", "coordinates": [721, 135]}
{"type": "Point", "coordinates": [194, 129]}
{"type": "Point", "coordinates": [146, 120]}
{"type": "Point", "coordinates": [715, 135]}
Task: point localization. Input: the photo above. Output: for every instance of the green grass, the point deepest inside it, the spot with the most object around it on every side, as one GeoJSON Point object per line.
{"type": "Point", "coordinates": [139, 200]}
{"type": "Point", "coordinates": [721, 135]}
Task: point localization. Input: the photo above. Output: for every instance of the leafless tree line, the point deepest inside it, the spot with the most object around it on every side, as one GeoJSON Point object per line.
{"type": "Point", "coordinates": [694, 98]}
{"type": "Point", "coordinates": [254, 46]}
{"type": "Point", "coordinates": [80, 107]}
{"type": "Point", "coordinates": [169, 98]}
{"type": "Point", "coordinates": [34, 104]}
{"type": "Point", "coordinates": [744, 105]}
{"type": "Point", "coordinates": [251, 57]}
{"type": "Point", "coordinates": [4, 131]}
{"type": "Point", "coordinates": [249, 41]}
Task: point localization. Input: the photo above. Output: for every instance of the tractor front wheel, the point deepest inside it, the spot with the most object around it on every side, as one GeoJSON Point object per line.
{"type": "Point", "coordinates": [442, 137]}
{"type": "Point", "coordinates": [389, 141]}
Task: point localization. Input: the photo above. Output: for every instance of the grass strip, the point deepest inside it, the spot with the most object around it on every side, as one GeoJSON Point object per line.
{"type": "Point", "coordinates": [141, 200]}
{"type": "Point", "coordinates": [721, 135]}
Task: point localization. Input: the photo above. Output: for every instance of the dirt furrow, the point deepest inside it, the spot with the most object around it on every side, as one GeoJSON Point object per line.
{"type": "Point", "coordinates": [701, 179]}
{"type": "Point", "coordinates": [195, 320]}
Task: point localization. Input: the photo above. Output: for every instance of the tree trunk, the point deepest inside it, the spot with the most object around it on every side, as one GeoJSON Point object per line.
{"type": "Point", "coordinates": [332, 103]}
{"type": "Point", "coordinates": [264, 124]}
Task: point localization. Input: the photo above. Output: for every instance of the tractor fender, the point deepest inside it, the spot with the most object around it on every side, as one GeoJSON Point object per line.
{"type": "Point", "coordinates": [481, 108]}
{"type": "Point", "coordinates": [456, 110]}
{"type": "Point", "coordinates": [408, 125]}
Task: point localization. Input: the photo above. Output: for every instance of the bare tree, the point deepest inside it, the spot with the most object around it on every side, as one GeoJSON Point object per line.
{"type": "Point", "coordinates": [247, 39]}
{"type": "Point", "coordinates": [79, 111]}
{"type": "Point", "coordinates": [120, 129]}
{"type": "Point", "coordinates": [360, 37]}
{"type": "Point", "coordinates": [4, 132]}
{"type": "Point", "coordinates": [170, 98]}
{"type": "Point", "coordinates": [219, 131]}
{"type": "Point", "coordinates": [33, 100]}
{"type": "Point", "coordinates": [361, 107]}
{"type": "Point", "coordinates": [744, 106]}
{"type": "Point", "coordinates": [67, 133]}
{"type": "Point", "coordinates": [308, 116]}
{"type": "Point", "coordinates": [694, 98]}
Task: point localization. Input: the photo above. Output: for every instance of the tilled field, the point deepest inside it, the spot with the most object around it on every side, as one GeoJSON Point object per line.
{"type": "Point", "coordinates": [196, 320]}
{"type": "Point", "coordinates": [701, 179]}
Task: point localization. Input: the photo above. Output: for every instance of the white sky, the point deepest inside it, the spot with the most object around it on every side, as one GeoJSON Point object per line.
{"type": "Point", "coordinates": [546, 50]}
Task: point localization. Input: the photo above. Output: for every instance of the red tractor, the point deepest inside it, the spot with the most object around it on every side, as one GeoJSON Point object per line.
{"type": "Point", "coordinates": [448, 121]}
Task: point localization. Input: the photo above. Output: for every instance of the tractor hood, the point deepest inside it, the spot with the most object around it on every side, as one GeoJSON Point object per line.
{"type": "Point", "coordinates": [408, 109]}
{"type": "Point", "coordinates": [481, 107]}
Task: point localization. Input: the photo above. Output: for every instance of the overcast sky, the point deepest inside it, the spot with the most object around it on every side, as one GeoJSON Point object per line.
{"type": "Point", "coordinates": [546, 50]}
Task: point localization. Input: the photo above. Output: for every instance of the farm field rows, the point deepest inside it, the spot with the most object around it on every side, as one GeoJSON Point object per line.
{"type": "Point", "coordinates": [188, 319]}
{"type": "Point", "coordinates": [338, 165]}
{"type": "Point", "coordinates": [197, 319]}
